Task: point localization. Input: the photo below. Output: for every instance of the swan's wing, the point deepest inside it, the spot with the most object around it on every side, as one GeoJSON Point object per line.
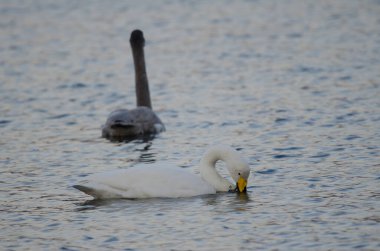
{"type": "Point", "coordinates": [175, 182]}
{"type": "Point", "coordinates": [148, 119]}
{"type": "Point", "coordinates": [88, 190]}
{"type": "Point", "coordinates": [146, 182]}
{"type": "Point", "coordinates": [124, 123]}
{"type": "Point", "coordinates": [120, 124]}
{"type": "Point", "coordinates": [99, 190]}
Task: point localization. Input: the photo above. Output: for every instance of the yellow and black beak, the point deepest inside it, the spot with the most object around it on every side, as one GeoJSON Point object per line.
{"type": "Point", "coordinates": [241, 185]}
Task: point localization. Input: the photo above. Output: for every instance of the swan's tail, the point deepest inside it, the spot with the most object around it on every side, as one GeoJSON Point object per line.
{"type": "Point", "coordinates": [101, 191]}
{"type": "Point", "coordinates": [87, 190]}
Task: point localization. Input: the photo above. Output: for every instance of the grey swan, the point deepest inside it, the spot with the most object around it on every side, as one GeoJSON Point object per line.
{"type": "Point", "coordinates": [125, 124]}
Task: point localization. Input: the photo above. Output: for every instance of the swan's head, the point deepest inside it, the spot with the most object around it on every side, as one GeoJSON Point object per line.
{"type": "Point", "coordinates": [137, 38]}
{"type": "Point", "coordinates": [239, 171]}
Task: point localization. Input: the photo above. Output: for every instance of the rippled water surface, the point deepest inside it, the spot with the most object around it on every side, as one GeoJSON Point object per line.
{"type": "Point", "coordinates": [294, 85]}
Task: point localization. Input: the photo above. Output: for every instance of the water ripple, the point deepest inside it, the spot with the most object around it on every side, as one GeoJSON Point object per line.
{"type": "Point", "coordinates": [294, 91]}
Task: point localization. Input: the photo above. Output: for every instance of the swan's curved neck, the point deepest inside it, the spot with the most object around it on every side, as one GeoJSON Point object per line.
{"type": "Point", "coordinates": [209, 172]}
{"type": "Point", "coordinates": [141, 78]}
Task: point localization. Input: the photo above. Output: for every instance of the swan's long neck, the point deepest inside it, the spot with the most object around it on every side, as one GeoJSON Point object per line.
{"type": "Point", "coordinates": [141, 79]}
{"type": "Point", "coordinates": [209, 172]}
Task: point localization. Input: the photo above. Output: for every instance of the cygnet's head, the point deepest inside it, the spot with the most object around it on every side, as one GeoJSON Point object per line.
{"type": "Point", "coordinates": [137, 38]}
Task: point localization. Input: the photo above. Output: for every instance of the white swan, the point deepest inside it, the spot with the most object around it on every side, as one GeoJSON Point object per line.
{"type": "Point", "coordinates": [171, 182]}
{"type": "Point", "coordinates": [124, 124]}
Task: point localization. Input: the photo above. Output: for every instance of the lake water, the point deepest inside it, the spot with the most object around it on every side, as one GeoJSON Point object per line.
{"type": "Point", "coordinates": [294, 85]}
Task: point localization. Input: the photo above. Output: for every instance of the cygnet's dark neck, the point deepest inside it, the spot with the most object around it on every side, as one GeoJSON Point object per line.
{"type": "Point", "coordinates": [142, 86]}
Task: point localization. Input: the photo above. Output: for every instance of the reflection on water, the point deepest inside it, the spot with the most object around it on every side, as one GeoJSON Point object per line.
{"type": "Point", "coordinates": [292, 85]}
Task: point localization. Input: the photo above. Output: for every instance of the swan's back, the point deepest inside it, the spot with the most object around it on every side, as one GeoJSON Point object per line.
{"type": "Point", "coordinates": [146, 182]}
{"type": "Point", "coordinates": [123, 123]}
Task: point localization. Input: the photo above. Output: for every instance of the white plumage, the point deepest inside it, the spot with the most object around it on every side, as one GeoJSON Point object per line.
{"type": "Point", "coordinates": [163, 180]}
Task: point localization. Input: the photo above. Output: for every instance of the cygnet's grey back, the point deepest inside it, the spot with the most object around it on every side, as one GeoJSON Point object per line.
{"type": "Point", "coordinates": [126, 124]}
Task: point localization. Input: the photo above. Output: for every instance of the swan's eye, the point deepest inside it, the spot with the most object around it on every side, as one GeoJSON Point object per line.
{"type": "Point", "coordinates": [239, 174]}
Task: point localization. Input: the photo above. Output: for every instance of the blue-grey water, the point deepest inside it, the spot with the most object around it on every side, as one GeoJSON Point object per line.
{"type": "Point", "coordinates": [294, 85]}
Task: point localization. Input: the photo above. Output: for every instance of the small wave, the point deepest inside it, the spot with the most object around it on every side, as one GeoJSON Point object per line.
{"type": "Point", "coordinates": [3, 122]}
{"type": "Point", "coordinates": [292, 148]}
{"type": "Point", "coordinates": [351, 137]}
{"type": "Point", "coordinates": [320, 155]}
{"type": "Point", "coordinates": [59, 116]}
{"type": "Point", "coordinates": [282, 156]}
{"type": "Point", "coordinates": [73, 85]}
{"type": "Point", "coordinates": [267, 171]}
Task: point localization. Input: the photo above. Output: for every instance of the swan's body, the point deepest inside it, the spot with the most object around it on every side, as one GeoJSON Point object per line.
{"type": "Point", "coordinates": [168, 181]}
{"type": "Point", "coordinates": [123, 124]}
{"type": "Point", "coordinates": [146, 182]}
